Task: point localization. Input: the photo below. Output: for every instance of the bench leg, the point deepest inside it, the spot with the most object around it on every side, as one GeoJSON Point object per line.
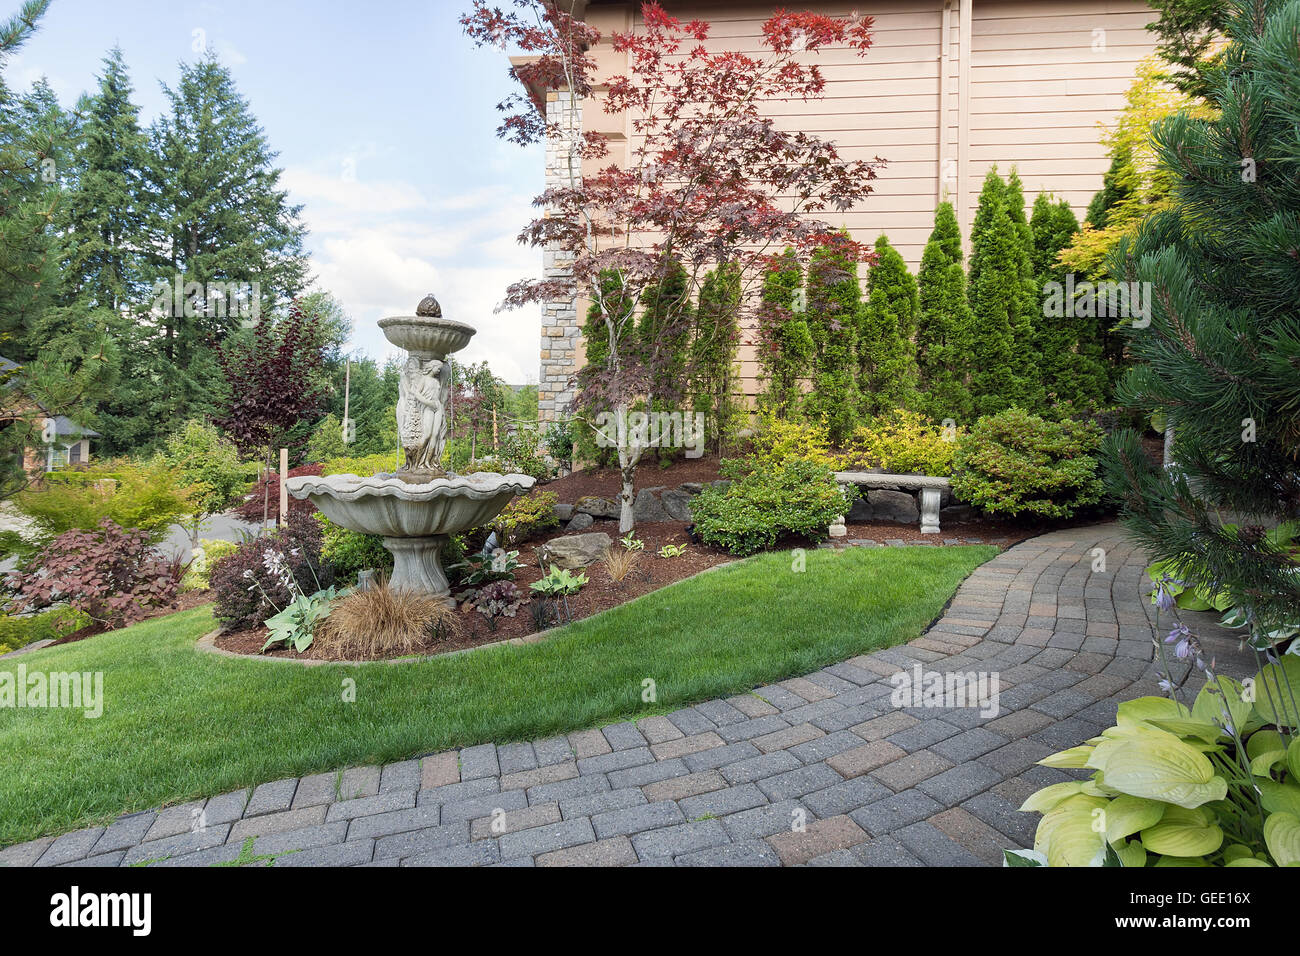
{"type": "Point", "coordinates": [930, 498]}
{"type": "Point", "coordinates": [837, 529]}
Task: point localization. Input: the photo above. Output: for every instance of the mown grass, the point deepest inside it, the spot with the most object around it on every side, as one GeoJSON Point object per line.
{"type": "Point", "coordinates": [180, 724]}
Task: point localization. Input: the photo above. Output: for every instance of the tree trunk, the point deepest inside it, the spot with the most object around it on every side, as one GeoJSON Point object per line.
{"type": "Point", "coordinates": [1169, 446]}
{"type": "Point", "coordinates": [628, 457]}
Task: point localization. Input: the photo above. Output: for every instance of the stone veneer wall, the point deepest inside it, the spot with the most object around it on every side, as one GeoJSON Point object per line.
{"type": "Point", "coordinates": [560, 328]}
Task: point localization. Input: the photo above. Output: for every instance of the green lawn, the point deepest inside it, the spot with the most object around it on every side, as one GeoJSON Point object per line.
{"type": "Point", "coordinates": [179, 723]}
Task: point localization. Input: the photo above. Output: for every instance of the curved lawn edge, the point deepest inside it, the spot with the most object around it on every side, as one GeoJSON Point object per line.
{"type": "Point", "coordinates": [179, 724]}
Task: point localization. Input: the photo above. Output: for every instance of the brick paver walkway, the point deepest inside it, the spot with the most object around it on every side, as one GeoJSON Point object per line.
{"type": "Point", "coordinates": [820, 769]}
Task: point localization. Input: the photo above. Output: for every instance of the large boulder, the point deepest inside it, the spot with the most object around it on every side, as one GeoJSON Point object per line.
{"type": "Point", "coordinates": [677, 503]}
{"type": "Point", "coordinates": [893, 506]}
{"type": "Point", "coordinates": [596, 506]}
{"type": "Point", "coordinates": [563, 512]}
{"type": "Point", "coordinates": [647, 507]}
{"type": "Point", "coordinates": [573, 551]}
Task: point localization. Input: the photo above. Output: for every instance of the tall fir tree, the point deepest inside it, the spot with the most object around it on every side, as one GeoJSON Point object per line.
{"type": "Point", "coordinates": [785, 345]}
{"type": "Point", "coordinates": [1221, 355]}
{"type": "Point", "coordinates": [887, 321]}
{"type": "Point", "coordinates": [944, 334]}
{"type": "Point", "coordinates": [215, 213]}
{"type": "Point", "coordinates": [714, 380]}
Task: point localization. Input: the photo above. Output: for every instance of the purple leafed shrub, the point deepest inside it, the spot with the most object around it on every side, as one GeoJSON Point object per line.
{"type": "Point", "coordinates": [245, 600]}
{"type": "Point", "coordinates": [111, 574]}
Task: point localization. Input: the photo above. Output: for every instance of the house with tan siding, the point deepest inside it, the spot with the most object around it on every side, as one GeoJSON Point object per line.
{"type": "Point", "coordinates": [948, 89]}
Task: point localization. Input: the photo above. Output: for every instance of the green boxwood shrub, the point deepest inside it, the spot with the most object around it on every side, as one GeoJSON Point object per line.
{"type": "Point", "coordinates": [1014, 463]}
{"type": "Point", "coordinates": [350, 552]}
{"type": "Point", "coordinates": [525, 517]}
{"type": "Point", "coordinates": [798, 497]}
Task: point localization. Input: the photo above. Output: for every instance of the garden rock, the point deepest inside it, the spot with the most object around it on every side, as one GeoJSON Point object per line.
{"type": "Point", "coordinates": [563, 512]}
{"type": "Point", "coordinates": [577, 550]}
{"type": "Point", "coordinates": [597, 507]}
{"type": "Point", "coordinates": [957, 513]}
{"type": "Point", "coordinates": [691, 487]}
{"type": "Point", "coordinates": [893, 505]}
{"type": "Point", "coordinates": [861, 509]}
{"type": "Point", "coordinates": [649, 508]}
{"type": "Point", "coordinates": [580, 522]}
{"type": "Point", "coordinates": [677, 503]}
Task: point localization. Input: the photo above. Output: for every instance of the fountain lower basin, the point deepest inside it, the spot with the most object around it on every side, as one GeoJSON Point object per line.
{"type": "Point", "coordinates": [413, 519]}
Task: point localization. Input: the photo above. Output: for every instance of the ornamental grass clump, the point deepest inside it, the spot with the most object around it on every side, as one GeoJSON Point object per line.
{"type": "Point", "coordinates": [380, 622]}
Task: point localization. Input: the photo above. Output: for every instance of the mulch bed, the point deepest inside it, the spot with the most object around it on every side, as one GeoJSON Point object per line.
{"type": "Point", "coordinates": [607, 482]}
{"type": "Point", "coordinates": [599, 594]}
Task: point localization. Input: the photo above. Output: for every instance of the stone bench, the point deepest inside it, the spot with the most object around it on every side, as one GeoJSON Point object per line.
{"type": "Point", "coordinates": [931, 494]}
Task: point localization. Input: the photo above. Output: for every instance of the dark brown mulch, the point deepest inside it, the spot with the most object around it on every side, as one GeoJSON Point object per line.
{"type": "Point", "coordinates": [599, 594]}
{"type": "Point", "coordinates": [607, 482]}
{"type": "Point", "coordinates": [185, 601]}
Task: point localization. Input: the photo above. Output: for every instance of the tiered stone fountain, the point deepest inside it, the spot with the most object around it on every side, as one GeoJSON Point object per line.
{"type": "Point", "coordinates": [419, 505]}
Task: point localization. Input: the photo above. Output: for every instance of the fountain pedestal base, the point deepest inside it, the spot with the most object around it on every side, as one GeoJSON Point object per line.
{"type": "Point", "coordinates": [417, 565]}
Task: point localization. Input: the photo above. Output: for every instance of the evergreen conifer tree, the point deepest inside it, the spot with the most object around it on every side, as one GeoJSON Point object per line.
{"type": "Point", "coordinates": [944, 334]}
{"type": "Point", "coordinates": [887, 322]}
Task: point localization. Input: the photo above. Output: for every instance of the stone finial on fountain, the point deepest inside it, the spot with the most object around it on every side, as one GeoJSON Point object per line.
{"type": "Point", "coordinates": [429, 307]}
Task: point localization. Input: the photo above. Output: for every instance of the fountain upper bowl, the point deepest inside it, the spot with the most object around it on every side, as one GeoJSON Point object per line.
{"type": "Point", "coordinates": [427, 335]}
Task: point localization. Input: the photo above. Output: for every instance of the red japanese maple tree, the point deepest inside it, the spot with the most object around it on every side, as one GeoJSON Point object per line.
{"type": "Point", "coordinates": [708, 180]}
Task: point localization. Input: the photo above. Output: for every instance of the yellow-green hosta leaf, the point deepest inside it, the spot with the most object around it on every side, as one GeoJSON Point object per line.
{"type": "Point", "coordinates": [1126, 815]}
{"type": "Point", "coordinates": [1277, 692]}
{"type": "Point", "coordinates": [1183, 727]}
{"type": "Point", "coordinates": [1181, 861]}
{"type": "Point", "coordinates": [1183, 833]}
{"type": "Point", "coordinates": [1220, 695]}
{"type": "Point", "coordinates": [1246, 861]}
{"type": "Point", "coordinates": [1279, 797]}
{"type": "Point", "coordinates": [1046, 799]}
{"type": "Point", "coordinates": [1236, 851]}
{"type": "Point", "coordinates": [1282, 837]}
{"type": "Point", "coordinates": [1075, 757]}
{"type": "Point", "coordinates": [1144, 708]}
{"type": "Point", "coordinates": [1293, 759]}
{"type": "Point", "coordinates": [1167, 770]}
{"type": "Point", "coordinates": [1262, 741]}
{"type": "Point", "coordinates": [1131, 853]}
{"type": "Point", "coordinates": [1263, 765]}
{"type": "Point", "coordinates": [1068, 834]}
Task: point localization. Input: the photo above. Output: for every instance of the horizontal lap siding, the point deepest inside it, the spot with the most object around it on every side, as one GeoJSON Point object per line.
{"type": "Point", "coordinates": [1039, 91]}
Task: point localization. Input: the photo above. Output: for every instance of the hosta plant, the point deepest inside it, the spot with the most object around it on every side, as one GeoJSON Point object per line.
{"type": "Point", "coordinates": [483, 568]}
{"type": "Point", "coordinates": [1216, 784]}
{"type": "Point", "coordinates": [295, 626]}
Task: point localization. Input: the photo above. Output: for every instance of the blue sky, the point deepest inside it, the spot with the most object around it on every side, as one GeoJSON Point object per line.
{"type": "Point", "coordinates": [383, 115]}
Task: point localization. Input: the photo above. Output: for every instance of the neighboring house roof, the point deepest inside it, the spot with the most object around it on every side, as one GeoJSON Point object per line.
{"type": "Point", "coordinates": [65, 427]}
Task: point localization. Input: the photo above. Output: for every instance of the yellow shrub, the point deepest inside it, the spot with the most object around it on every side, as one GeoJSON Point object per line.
{"type": "Point", "coordinates": [364, 467]}
{"type": "Point", "coordinates": [903, 442]}
{"type": "Point", "coordinates": [779, 441]}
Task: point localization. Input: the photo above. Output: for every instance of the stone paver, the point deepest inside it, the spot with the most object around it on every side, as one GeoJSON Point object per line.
{"type": "Point", "coordinates": [822, 769]}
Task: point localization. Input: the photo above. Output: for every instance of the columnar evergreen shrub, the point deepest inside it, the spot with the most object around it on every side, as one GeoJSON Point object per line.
{"type": "Point", "coordinates": [785, 344]}
{"type": "Point", "coordinates": [1069, 346]}
{"type": "Point", "coordinates": [596, 340]}
{"type": "Point", "coordinates": [1001, 294]}
{"type": "Point", "coordinates": [944, 330]}
{"type": "Point", "coordinates": [1015, 463]}
{"type": "Point", "coordinates": [833, 300]}
{"type": "Point", "coordinates": [887, 372]}
{"type": "Point", "coordinates": [663, 333]}
{"type": "Point", "coordinates": [714, 378]}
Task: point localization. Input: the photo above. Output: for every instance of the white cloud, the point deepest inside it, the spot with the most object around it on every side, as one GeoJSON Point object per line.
{"type": "Point", "coordinates": [381, 245]}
